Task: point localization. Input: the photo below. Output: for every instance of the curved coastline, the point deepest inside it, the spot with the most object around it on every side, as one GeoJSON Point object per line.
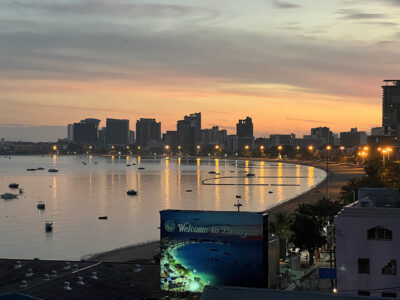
{"type": "Point", "coordinates": [339, 174]}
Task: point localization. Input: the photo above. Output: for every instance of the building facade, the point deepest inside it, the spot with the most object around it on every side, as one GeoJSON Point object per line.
{"type": "Point", "coordinates": [367, 244]}
{"type": "Point", "coordinates": [244, 130]}
{"type": "Point", "coordinates": [353, 138]}
{"type": "Point", "coordinates": [189, 132]}
{"type": "Point", "coordinates": [391, 107]}
{"type": "Point", "coordinates": [85, 132]}
{"type": "Point", "coordinates": [147, 130]}
{"type": "Point", "coordinates": [117, 133]}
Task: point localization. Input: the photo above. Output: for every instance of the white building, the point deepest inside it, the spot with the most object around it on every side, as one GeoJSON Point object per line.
{"type": "Point", "coordinates": [368, 244]}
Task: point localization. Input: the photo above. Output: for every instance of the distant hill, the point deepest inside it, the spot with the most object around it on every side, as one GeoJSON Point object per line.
{"type": "Point", "coordinates": [33, 133]}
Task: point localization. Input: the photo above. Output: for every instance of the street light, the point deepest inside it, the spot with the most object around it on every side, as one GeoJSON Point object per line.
{"type": "Point", "coordinates": [55, 148]}
{"type": "Point", "coordinates": [216, 147]}
{"type": "Point", "coordinates": [311, 147]}
{"type": "Point", "coordinates": [167, 147]}
{"type": "Point", "coordinates": [389, 150]}
{"type": "Point", "coordinates": [298, 148]}
{"type": "Point", "coordinates": [247, 147]}
{"type": "Point", "coordinates": [328, 148]}
{"type": "Point", "coordinates": [179, 147]}
{"type": "Point", "coordinates": [262, 148]}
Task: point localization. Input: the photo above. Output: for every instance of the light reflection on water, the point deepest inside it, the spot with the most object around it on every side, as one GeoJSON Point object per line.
{"type": "Point", "coordinates": [77, 195]}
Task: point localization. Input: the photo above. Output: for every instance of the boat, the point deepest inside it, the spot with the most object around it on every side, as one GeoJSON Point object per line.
{"type": "Point", "coordinates": [41, 205]}
{"type": "Point", "coordinates": [141, 168]}
{"type": "Point", "coordinates": [250, 174]}
{"type": "Point", "coordinates": [31, 169]}
{"type": "Point", "coordinates": [132, 193]}
{"type": "Point", "coordinates": [21, 190]}
{"type": "Point", "coordinates": [8, 196]}
{"type": "Point", "coordinates": [53, 170]}
{"type": "Point", "coordinates": [128, 165]}
{"type": "Point", "coordinates": [188, 191]}
{"type": "Point", "coordinates": [212, 172]}
{"type": "Point", "coordinates": [103, 218]}
{"type": "Point", "coordinates": [48, 226]}
{"type": "Point", "coordinates": [40, 169]}
{"type": "Point", "coordinates": [270, 192]}
{"type": "Point", "coordinates": [13, 185]}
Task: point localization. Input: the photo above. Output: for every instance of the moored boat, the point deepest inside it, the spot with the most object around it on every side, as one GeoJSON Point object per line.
{"type": "Point", "coordinates": [132, 193]}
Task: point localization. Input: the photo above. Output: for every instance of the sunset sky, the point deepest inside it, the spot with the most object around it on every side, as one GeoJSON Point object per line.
{"type": "Point", "coordinates": [290, 65]}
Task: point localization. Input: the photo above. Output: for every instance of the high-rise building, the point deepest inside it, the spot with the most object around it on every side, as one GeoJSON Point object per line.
{"type": "Point", "coordinates": [391, 107]}
{"type": "Point", "coordinates": [70, 129]}
{"type": "Point", "coordinates": [353, 138]}
{"type": "Point", "coordinates": [244, 130]}
{"type": "Point", "coordinates": [189, 132]}
{"type": "Point", "coordinates": [324, 134]}
{"type": "Point", "coordinates": [117, 132]}
{"type": "Point", "coordinates": [147, 130]}
{"type": "Point", "coordinates": [85, 132]}
{"type": "Point", "coordinates": [214, 136]}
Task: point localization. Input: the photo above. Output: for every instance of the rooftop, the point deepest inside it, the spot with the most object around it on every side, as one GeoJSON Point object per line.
{"type": "Point", "coordinates": [112, 280]}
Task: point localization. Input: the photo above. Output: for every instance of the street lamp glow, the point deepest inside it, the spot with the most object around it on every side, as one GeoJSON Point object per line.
{"type": "Point", "coordinates": [127, 147]}
{"type": "Point", "coordinates": [280, 147]}
{"type": "Point", "coordinates": [311, 147]}
{"type": "Point", "coordinates": [139, 147]}
{"type": "Point", "coordinates": [55, 148]}
{"type": "Point", "coordinates": [166, 147]}
{"type": "Point", "coordinates": [329, 147]}
{"type": "Point", "coordinates": [112, 147]}
{"type": "Point", "coordinates": [298, 147]}
{"type": "Point", "coordinates": [216, 147]}
{"type": "Point", "coordinates": [342, 148]}
{"type": "Point", "coordinates": [198, 147]}
{"type": "Point", "coordinates": [261, 147]}
{"type": "Point", "coordinates": [366, 148]}
{"type": "Point", "coordinates": [179, 147]}
{"type": "Point", "coordinates": [247, 147]}
{"type": "Point", "coordinates": [389, 149]}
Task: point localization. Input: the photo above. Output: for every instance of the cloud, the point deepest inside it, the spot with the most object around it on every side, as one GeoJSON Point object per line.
{"type": "Point", "coordinates": [108, 8]}
{"type": "Point", "coordinates": [308, 121]}
{"type": "Point", "coordinates": [352, 14]}
{"type": "Point", "coordinates": [284, 4]}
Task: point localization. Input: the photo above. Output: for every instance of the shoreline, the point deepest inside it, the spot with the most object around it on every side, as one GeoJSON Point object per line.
{"type": "Point", "coordinates": [339, 174]}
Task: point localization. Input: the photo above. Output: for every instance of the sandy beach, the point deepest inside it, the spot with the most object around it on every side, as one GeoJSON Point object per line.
{"type": "Point", "coordinates": [339, 174]}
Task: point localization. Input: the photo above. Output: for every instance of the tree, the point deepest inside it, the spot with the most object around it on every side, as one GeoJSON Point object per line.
{"type": "Point", "coordinates": [391, 176]}
{"type": "Point", "coordinates": [349, 192]}
{"type": "Point", "coordinates": [326, 208]}
{"type": "Point", "coordinates": [308, 233]}
{"type": "Point", "coordinates": [281, 225]}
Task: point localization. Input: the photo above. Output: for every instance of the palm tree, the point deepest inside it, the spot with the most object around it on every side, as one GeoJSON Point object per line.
{"type": "Point", "coordinates": [349, 192]}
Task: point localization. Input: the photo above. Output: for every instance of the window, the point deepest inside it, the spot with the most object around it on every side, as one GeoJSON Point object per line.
{"type": "Point", "coordinates": [389, 295]}
{"type": "Point", "coordinates": [363, 293]}
{"type": "Point", "coordinates": [363, 265]}
{"type": "Point", "coordinates": [379, 233]}
{"type": "Point", "coordinates": [390, 268]}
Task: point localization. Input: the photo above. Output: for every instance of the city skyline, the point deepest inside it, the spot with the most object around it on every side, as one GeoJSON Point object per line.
{"type": "Point", "coordinates": [288, 65]}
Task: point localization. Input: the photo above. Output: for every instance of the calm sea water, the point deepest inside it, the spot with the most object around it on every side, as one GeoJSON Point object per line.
{"type": "Point", "coordinates": [78, 194]}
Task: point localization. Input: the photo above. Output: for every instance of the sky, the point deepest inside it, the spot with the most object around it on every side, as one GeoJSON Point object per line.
{"type": "Point", "coordinates": [290, 65]}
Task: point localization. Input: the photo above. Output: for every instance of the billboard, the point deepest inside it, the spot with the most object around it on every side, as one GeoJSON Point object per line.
{"type": "Point", "coordinates": [200, 248]}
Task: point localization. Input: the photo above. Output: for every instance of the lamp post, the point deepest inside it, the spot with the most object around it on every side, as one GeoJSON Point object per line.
{"type": "Point", "coordinates": [262, 150]}
{"type": "Point", "coordinates": [383, 155]}
{"type": "Point", "coordinates": [198, 149]}
{"type": "Point", "coordinates": [328, 148]}
{"type": "Point", "coordinates": [280, 149]}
